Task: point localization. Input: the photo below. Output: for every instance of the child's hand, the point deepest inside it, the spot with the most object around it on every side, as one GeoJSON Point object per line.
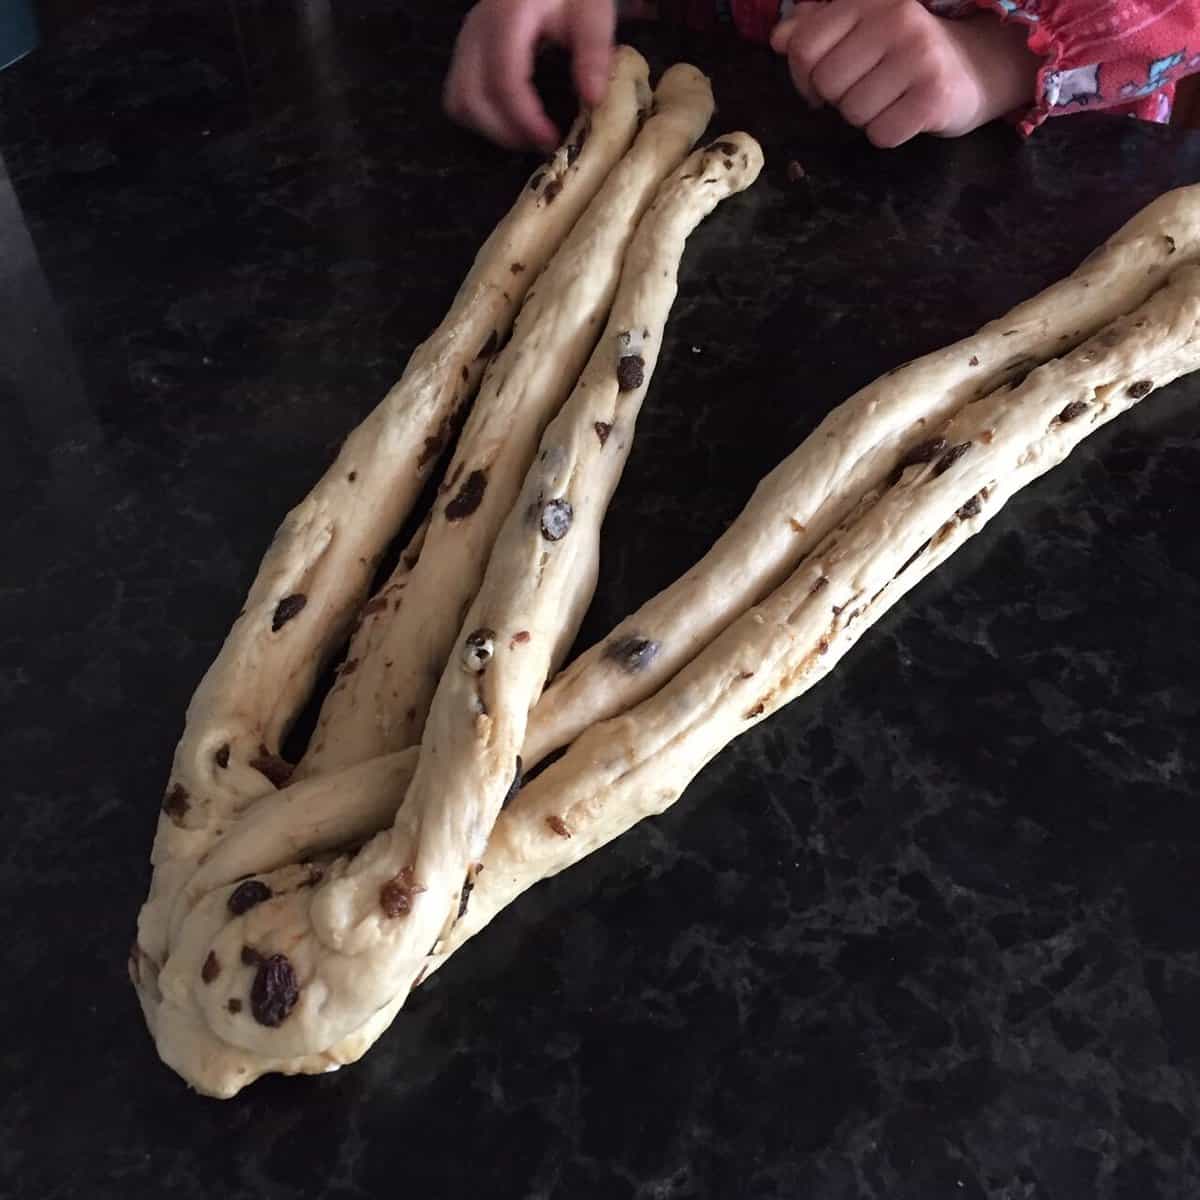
{"type": "Point", "coordinates": [895, 70]}
{"type": "Point", "coordinates": [490, 85]}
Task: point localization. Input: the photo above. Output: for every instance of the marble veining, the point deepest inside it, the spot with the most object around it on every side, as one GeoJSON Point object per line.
{"type": "Point", "coordinates": [929, 933]}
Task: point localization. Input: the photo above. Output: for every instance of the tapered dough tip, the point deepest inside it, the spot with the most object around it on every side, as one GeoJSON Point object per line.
{"type": "Point", "coordinates": [681, 80]}
{"type": "Point", "coordinates": [743, 152]}
{"type": "Point", "coordinates": [627, 63]}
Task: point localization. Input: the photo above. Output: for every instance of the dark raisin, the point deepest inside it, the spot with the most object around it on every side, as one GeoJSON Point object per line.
{"type": "Point", "coordinates": [1075, 409]}
{"type": "Point", "coordinates": [478, 649]}
{"type": "Point", "coordinates": [430, 451]}
{"type": "Point", "coordinates": [951, 457]}
{"type": "Point", "coordinates": [175, 803]}
{"type": "Point", "coordinates": [286, 609]}
{"type": "Point", "coordinates": [1170, 243]}
{"type": "Point", "coordinates": [250, 956]}
{"type": "Point", "coordinates": [520, 637]}
{"type": "Point", "coordinates": [235, 1005]}
{"type": "Point", "coordinates": [631, 372]}
{"type": "Point", "coordinates": [376, 605]}
{"type": "Point", "coordinates": [974, 360]}
{"type": "Point", "coordinates": [924, 452]}
{"type": "Point", "coordinates": [972, 508]}
{"type": "Point", "coordinates": [581, 141]}
{"type": "Point", "coordinates": [1020, 371]}
{"type": "Point", "coordinates": [276, 769]}
{"type": "Point", "coordinates": [469, 496]}
{"type": "Point", "coordinates": [756, 711]}
{"type": "Point", "coordinates": [633, 654]}
{"type": "Point", "coordinates": [559, 826]}
{"type": "Point", "coordinates": [352, 476]}
{"type": "Point", "coordinates": [556, 519]}
{"type": "Point", "coordinates": [1143, 387]}
{"type": "Point", "coordinates": [396, 896]}
{"type": "Point", "coordinates": [222, 756]}
{"type": "Point", "coordinates": [821, 582]}
{"type": "Point", "coordinates": [551, 190]}
{"type": "Point", "coordinates": [909, 562]}
{"type": "Point", "coordinates": [603, 429]}
{"type": "Point", "coordinates": [517, 268]}
{"type": "Point", "coordinates": [348, 668]}
{"type": "Point", "coordinates": [274, 992]}
{"type": "Point", "coordinates": [211, 968]}
{"type": "Point", "coordinates": [464, 896]}
{"type": "Point", "coordinates": [246, 895]}
{"type": "Point", "coordinates": [515, 786]}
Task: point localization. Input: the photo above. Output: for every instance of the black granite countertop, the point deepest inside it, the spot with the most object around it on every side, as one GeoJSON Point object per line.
{"type": "Point", "coordinates": [929, 933]}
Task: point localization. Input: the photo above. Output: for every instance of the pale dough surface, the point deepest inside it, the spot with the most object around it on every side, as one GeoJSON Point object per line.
{"type": "Point", "coordinates": [850, 452]}
{"type": "Point", "coordinates": [327, 547]}
{"type": "Point", "coordinates": [349, 957]}
{"type": "Point", "coordinates": [407, 632]}
{"type": "Point", "coordinates": [636, 765]}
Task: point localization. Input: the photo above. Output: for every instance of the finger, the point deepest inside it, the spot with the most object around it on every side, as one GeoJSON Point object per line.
{"type": "Point", "coordinates": [467, 100]}
{"type": "Point", "coordinates": [803, 84]}
{"type": "Point", "coordinates": [455, 90]}
{"type": "Point", "coordinates": [814, 35]}
{"type": "Point", "coordinates": [876, 92]}
{"type": "Point", "coordinates": [782, 34]}
{"type": "Point", "coordinates": [851, 60]}
{"type": "Point", "coordinates": [509, 83]}
{"type": "Point", "coordinates": [817, 28]}
{"type": "Point", "coordinates": [899, 122]}
{"type": "Point", "coordinates": [591, 41]}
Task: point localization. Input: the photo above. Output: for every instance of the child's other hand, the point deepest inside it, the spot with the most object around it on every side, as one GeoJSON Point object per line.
{"type": "Point", "coordinates": [490, 85]}
{"type": "Point", "coordinates": [895, 70]}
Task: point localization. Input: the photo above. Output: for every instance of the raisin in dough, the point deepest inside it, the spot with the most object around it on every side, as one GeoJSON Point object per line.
{"type": "Point", "coordinates": [407, 632]}
{"type": "Point", "coordinates": [314, 962]}
{"type": "Point", "coordinates": [638, 764]}
{"type": "Point", "coordinates": [317, 568]}
{"type": "Point", "coordinates": [849, 453]}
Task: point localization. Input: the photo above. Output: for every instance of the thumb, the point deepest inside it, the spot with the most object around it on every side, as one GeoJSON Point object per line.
{"type": "Point", "coordinates": [590, 37]}
{"type": "Point", "coordinates": [781, 35]}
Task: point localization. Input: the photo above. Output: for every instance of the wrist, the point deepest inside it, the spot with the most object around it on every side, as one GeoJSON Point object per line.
{"type": "Point", "coordinates": [1005, 70]}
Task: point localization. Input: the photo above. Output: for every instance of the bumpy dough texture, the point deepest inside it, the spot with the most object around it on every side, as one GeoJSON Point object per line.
{"type": "Point", "coordinates": [348, 952]}
{"type": "Point", "coordinates": [638, 764]}
{"type": "Point", "coordinates": [313, 577]}
{"type": "Point", "coordinates": [850, 452]}
{"type": "Point", "coordinates": [408, 630]}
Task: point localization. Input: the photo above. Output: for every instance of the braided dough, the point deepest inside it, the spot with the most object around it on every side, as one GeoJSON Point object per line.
{"type": "Point", "coordinates": [634, 766]}
{"type": "Point", "coordinates": [638, 764]}
{"type": "Point", "coordinates": [314, 575]}
{"type": "Point", "coordinates": [407, 632]}
{"type": "Point", "coordinates": [314, 960]}
{"type": "Point", "coordinates": [849, 453]}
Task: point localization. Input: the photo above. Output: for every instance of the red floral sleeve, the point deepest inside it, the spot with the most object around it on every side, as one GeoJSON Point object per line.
{"type": "Point", "coordinates": [1122, 56]}
{"type": "Point", "coordinates": [1119, 55]}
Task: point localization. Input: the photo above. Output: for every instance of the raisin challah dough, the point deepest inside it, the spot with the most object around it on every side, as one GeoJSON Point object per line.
{"type": "Point", "coordinates": [316, 571]}
{"type": "Point", "coordinates": [850, 452]}
{"type": "Point", "coordinates": [380, 702]}
{"type": "Point", "coordinates": [638, 764]}
{"type": "Point", "coordinates": [307, 957]}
